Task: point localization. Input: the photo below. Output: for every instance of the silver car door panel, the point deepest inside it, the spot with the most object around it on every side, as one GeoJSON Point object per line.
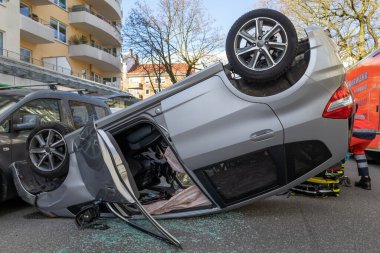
{"type": "Point", "coordinates": [208, 124]}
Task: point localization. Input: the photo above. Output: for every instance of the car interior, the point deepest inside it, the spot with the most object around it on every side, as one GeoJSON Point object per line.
{"type": "Point", "coordinates": [162, 183]}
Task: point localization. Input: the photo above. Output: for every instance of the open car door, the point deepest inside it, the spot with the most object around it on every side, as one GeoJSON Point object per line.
{"type": "Point", "coordinates": [107, 176]}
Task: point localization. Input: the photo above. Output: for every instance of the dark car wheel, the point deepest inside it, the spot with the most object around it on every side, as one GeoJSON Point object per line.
{"type": "Point", "coordinates": [47, 150]}
{"type": "Point", "coordinates": [261, 45]}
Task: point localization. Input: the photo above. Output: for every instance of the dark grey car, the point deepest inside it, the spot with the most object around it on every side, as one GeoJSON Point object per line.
{"type": "Point", "coordinates": [22, 110]}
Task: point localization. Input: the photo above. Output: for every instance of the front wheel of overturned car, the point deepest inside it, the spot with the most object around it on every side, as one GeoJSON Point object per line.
{"type": "Point", "coordinates": [261, 45]}
{"type": "Point", "coordinates": [47, 150]}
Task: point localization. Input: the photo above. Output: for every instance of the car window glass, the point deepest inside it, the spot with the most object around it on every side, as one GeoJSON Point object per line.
{"type": "Point", "coordinates": [46, 109]}
{"type": "Point", "coordinates": [100, 112]}
{"type": "Point", "coordinates": [7, 101]}
{"type": "Point", "coordinates": [4, 127]}
{"type": "Point", "coordinates": [82, 113]}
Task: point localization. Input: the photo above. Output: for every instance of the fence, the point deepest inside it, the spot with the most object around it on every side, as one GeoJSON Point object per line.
{"type": "Point", "coordinates": [56, 68]}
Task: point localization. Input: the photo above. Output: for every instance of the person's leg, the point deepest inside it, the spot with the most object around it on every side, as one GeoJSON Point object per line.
{"type": "Point", "coordinates": [361, 160]}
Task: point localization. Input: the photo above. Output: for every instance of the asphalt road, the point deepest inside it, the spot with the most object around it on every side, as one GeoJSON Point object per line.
{"type": "Point", "coordinates": [348, 223]}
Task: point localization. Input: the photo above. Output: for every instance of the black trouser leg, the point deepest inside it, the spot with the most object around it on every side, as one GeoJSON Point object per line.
{"type": "Point", "coordinates": [361, 161]}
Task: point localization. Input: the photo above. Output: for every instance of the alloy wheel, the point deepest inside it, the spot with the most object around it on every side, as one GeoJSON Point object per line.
{"type": "Point", "coordinates": [47, 150]}
{"type": "Point", "coordinates": [260, 44]}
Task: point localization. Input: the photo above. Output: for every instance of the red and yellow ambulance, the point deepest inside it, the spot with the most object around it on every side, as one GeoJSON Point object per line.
{"type": "Point", "coordinates": [364, 81]}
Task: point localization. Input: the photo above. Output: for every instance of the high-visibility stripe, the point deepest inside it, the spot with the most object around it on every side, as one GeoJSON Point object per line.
{"type": "Point", "coordinates": [358, 157]}
{"type": "Point", "coordinates": [365, 130]}
{"type": "Point", "coordinates": [363, 165]}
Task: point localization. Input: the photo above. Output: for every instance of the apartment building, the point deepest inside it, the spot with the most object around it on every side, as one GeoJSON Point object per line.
{"type": "Point", "coordinates": [74, 42]}
{"type": "Point", "coordinates": [143, 80]}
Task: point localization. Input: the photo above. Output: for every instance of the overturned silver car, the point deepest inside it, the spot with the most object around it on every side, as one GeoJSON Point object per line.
{"type": "Point", "coordinates": [220, 139]}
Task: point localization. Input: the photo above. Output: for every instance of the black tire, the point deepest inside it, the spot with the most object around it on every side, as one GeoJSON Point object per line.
{"type": "Point", "coordinates": [47, 150]}
{"type": "Point", "coordinates": [265, 55]}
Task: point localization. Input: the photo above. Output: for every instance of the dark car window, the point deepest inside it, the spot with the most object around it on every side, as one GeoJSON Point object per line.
{"type": "Point", "coordinates": [80, 113]}
{"type": "Point", "coordinates": [7, 101]}
{"type": "Point", "coordinates": [46, 109]}
{"type": "Point", "coordinates": [121, 102]}
{"type": "Point", "coordinates": [100, 112]}
{"type": "Point", "coordinates": [84, 113]}
{"type": "Point", "coordinates": [4, 127]}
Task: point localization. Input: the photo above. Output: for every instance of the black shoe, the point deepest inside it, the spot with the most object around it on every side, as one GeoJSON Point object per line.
{"type": "Point", "coordinates": [365, 183]}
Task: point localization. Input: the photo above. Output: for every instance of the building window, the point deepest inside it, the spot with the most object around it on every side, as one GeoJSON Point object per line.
{"type": "Point", "coordinates": [163, 80]}
{"type": "Point", "coordinates": [1, 42]}
{"type": "Point", "coordinates": [147, 91]}
{"type": "Point", "coordinates": [95, 77]}
{"type": "Point", "coordinates": [59, 30]}
{"type": "Point", "coordinates": [84, 73]}
{"type": "Point", "coordinates": [25, 55]}
{"type": "Point", "coordinates": [60, 3]}
{"type": "Point", "coordinates": [107, 80]}
{"type": "Point", "coordinates": [147, 80]}
{"type": "Point", "coordinates": [134, 80]}
{"type": "Point", "coordinates": [25, 10]}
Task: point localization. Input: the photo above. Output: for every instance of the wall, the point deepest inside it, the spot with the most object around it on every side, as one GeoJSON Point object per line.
{"type": "Point", "coordinates": [10, 22]}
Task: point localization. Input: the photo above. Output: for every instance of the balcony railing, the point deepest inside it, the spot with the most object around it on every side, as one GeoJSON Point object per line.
{"type": "Point", "coordinates": [37, 19]}
{"type": "Point", "coordinates": [35, 29]}
{"type": "Point", "coordinates": [77, 41]}
{"type": "Point", "coordinates": [99, 58]}
{"type": "Point", "coordinates": [77, 8]}
{"type": "Point", "coordinates": [36, 62]}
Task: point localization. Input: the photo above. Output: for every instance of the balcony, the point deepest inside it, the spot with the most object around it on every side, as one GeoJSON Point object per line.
{"type": "Point", "coordinates": [13, 64]}
{"type": "Point", "coordinates": [40, 2]}
{"type": "Point", "coordinates": [97, 57]}
{"type": "Point", "coordinates": [111, 9]}
{"type": "Point", "coordinates": [91, 22]}
{"type": "Point", "coordinates": [35, 30]}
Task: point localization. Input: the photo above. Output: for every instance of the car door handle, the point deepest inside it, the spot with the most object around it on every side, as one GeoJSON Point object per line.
{"type": "Point", "coordinates": [262, 135]}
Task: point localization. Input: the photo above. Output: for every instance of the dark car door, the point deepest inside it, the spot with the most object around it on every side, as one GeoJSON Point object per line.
{"type": "Point", "coordinates": [5, 149]}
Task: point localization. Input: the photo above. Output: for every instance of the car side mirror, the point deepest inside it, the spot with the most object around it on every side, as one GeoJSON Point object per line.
{"type": "Point", "coordinates": [29, 122]}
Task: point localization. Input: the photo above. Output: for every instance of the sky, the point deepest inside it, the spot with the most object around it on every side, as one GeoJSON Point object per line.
{"type": "Point", "coordinates": [225, 12]}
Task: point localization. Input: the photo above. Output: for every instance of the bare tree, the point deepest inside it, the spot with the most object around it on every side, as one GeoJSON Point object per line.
{"type": "Point", "coordinates": [175, 31]}
{"type": "Point", "coordinates": [354, 24]}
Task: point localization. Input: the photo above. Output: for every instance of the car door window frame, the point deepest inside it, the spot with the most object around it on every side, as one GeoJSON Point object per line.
{"type": "Point", "coordinates": [2, 129]}
{"type": "Point", "coordinates": [91, 111]}
{"type": "Point", "coordinates": [13, 119]}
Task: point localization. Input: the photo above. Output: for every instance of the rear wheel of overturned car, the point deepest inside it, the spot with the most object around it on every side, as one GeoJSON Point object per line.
{"type": "Point", "coordinates": [261, 45]}
{"type": "Point", "coordinates": [47, 150]}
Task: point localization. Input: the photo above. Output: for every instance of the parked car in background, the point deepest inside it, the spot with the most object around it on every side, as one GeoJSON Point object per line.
{"type": "Point", "coordinates": [276, 115]}
{"type": "Point", "coordinates": [49, 114]}
{"type": "Point", "coordinates": [364, 81]}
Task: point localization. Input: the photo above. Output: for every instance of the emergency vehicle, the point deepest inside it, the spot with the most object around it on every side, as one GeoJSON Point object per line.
{"type": "Point", "coordinates": [364, 81]}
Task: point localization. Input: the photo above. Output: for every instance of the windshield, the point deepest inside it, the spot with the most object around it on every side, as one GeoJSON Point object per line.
{"type": "Point", "coordinates": [121, 102]}
{"type": "Point", "coordinates": [7, 101]}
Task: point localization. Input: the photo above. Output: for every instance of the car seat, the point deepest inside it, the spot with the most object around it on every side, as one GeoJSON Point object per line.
{"type": "Point", "coordinates": [142, 137]}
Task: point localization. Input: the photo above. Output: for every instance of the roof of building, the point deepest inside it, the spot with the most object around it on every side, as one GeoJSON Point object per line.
{"type": "Point", "coordinates": [142, 69]}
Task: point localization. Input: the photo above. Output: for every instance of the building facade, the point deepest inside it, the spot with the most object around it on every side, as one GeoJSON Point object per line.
{"type": "Point", "coordinates": [58, 40]}
{"type": "Point", "coordinates": [145, 80]}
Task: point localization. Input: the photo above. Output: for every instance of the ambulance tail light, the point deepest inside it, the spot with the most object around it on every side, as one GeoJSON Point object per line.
{"type": "Point", "coordinates": [340, 105]}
